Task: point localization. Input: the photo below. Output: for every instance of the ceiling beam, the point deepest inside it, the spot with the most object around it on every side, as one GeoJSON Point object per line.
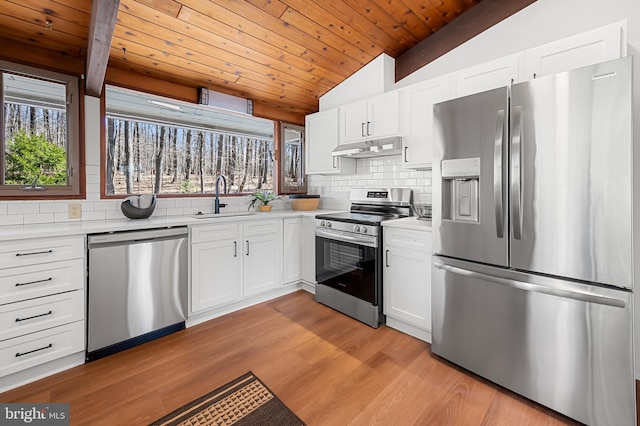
{"type": "Point", "coordinates": [468, 25]}
{"type": "Point", "coordinates": [103, 21]}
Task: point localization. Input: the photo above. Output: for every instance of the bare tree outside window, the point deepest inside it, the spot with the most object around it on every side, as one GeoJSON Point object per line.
{"type": "Point", "coordinates": [173, 160]}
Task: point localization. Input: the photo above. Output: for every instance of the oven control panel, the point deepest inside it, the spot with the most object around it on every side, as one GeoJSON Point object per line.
{"type": "Point", "coordinates": [347, 227]}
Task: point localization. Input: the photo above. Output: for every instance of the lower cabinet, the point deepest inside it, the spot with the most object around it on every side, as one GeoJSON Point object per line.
{"type": "Point", "coordinates": [234, 260]}
{"type": "Point", "coordinates": [407, 281]}
{"type": "Point", "coordinates": [42, 307]}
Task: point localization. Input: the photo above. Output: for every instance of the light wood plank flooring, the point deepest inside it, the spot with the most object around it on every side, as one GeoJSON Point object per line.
{"type": "Point", "coordinates": [328, 368]}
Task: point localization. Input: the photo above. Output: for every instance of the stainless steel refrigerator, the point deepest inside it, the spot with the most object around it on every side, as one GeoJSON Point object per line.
{"type": "Point", "coordinates": [532, 272]}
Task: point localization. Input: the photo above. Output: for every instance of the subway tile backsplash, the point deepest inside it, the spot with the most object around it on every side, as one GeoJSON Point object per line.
{"type": "Point", "coordinates": [383, 172]}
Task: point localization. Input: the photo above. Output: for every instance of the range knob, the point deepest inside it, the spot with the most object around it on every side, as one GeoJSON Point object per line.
{"type": "Point", "coordinates": [328, 225]}
{"type": "Point", "coordinates": [363, 229]}
{"type": "Point", "coordinates": [356, 228]}
{"type": "Point", "coordinates": [322, 223]}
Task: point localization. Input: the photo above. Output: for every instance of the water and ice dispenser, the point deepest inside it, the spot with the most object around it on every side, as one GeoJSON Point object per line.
{"type": "Point", "coordinates": [460, 196]}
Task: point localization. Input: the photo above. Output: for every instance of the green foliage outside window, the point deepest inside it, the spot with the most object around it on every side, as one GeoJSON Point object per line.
{"type": "Point", "coordinates": [30, 157]}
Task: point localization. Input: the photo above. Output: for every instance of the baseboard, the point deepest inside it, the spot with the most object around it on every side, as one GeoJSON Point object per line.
{"type": "Point", "coordinates": [41, 371]}
{"type": "Point", "coordinates": [200, 317]}
{"type": "Point", "coordinates": [410, 329]}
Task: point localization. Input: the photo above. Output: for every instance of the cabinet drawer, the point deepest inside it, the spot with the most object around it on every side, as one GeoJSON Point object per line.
{"type": "Point", "coordinates": [261, 227]}
{"type": "Point", "coordinates": [418, 240]}
{"type": "Point", "coordinates": [207, 233]}
{"type": "Point", "coordinates": [31, 252]}
{"type": "Point", "coordinates": [29, 282]}
{"type": "Point", "coordinates": [37, 348]}
{"type": "Point", "coordinates": [30, 316]}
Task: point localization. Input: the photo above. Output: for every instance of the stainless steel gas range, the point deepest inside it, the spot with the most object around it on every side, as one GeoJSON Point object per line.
{"type": "Point", "coordinates": [349, 252]}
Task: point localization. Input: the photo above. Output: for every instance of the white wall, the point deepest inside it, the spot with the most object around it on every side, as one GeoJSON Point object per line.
{"type": "Point", "coordinates": [542, 22]}
{"type": "Point", "coordinates": [377, 77]}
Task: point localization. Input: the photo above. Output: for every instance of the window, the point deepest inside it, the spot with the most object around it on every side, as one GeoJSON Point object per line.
{"type": "Point", "coordinates": [292, 178]}
{"type": "Point", "coordinates": [164, 146]}
{"type": "Point", "coordinates": [39, 133]}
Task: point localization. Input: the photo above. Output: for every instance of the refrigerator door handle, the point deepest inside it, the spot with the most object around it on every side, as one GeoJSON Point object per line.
{"type": "Point", "coordinates": [497, 174]}
{"type": "Point", "coordinates": [516, 173]}
{"type": "Point", "coordinates": [520, 285]}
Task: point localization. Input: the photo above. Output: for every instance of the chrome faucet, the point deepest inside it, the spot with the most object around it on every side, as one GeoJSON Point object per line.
{"type": "Point", "coordinates": [216, 204]}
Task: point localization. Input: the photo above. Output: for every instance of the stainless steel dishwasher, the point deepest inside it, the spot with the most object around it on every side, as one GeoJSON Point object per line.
{"type": "Point", "coordinates": [137, 288]}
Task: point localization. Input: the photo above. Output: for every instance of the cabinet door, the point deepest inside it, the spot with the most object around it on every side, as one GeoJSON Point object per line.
{"type": "Point", "coordinates": [383, 115]}
{"type": "Point", "coordinates": [417, 133]}
{"type": "Point", "coordinates": [215, 274]}
{"type": "Point", "coordinates": [490, 75]}
{"type": "Point", "coordinates": [407, 286]}
{"type": "Point", "coordinates": [591, 47]}
{"type": "Point", "coordinates": [322, 138]}
{"type": "Point", "coordinates": [261, 256]}
{"type": "Point", "coordinates": [293, 250]}
{"type": "Point", "coordinates": [353, 121]}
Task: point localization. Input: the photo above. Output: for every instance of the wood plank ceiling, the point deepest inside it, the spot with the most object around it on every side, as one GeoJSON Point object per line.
{"type": "Point", "coordinates": [286, 53]}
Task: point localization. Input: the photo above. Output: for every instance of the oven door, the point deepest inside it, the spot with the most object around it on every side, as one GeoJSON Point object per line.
{"type": "Point", "coordinates": [350, 264]}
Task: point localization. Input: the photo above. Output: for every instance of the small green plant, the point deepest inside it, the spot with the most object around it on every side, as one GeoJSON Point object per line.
{"type": "Point", "coordinates": [264, 196]}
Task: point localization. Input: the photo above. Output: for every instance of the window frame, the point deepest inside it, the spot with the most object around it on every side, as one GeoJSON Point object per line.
{"type": "Point", "coordinates": [75, 138]}
{"type": "Point", "coordinates": [103, 150]}
{"type": "Point", "coordinates": [282, 187]}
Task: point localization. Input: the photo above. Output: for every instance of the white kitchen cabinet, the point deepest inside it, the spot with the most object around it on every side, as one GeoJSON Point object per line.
{"type": "Point", "coordinates": [262, 256]}
{"type": "Point", "coordinates": [372, 118]}
{"type": "Point", "coordinates": [407, 281]}
{"type": "Point", "coordinates": [417, 128]}
{"type": "Point", "coordinates": [599, 45]}
{"type": "Point", "coordinates": [321, 131]}
{"type": "Point", "coordinates": [42, 304]}
{"type": "Point", "coordinates": [215, 267]}
{"type": "Point", "coordinates": [489, 75]}
{"type": "Point", "coordinates": [232, 261]}
{"type": "Point", "coordinates": [293, 250]}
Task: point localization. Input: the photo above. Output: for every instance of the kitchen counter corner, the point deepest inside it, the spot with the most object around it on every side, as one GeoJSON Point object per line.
{"type": "Point", "coordinates": [409, 223]}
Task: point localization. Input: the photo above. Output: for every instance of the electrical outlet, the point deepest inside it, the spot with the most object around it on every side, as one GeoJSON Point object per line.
{"type": "Point", "coordinates": [75, 211]}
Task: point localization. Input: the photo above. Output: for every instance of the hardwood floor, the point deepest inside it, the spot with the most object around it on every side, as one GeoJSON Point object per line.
{"type": "Point", "coordinates": [328, 368]}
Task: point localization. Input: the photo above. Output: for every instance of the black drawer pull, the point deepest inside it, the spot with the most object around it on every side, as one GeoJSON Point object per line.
{"type": "Point", "coordinates": [35, 316]}
{"type": "Point", "coordinates": [34, 282]}
{"type": "Point", "coordinates": [35, 252]}
{"type": "Point", "coordinates": [50, 345]}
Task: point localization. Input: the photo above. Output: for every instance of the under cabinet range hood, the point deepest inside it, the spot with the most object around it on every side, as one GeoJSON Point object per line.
{"type": "Point", "coordinates": [370, 148]}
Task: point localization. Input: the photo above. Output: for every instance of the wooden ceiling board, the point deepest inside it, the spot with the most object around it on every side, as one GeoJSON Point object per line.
{"type": "Point", "coordinates": [322, 68]}
{"type": "Point", "coordinates": [283, 54]}
{"type": "Point", "coordinates": [78, 11]}
{"type": "Point", "coordinates": [333, 23]}
{"type": "Point", "coordinates": [202, 40]}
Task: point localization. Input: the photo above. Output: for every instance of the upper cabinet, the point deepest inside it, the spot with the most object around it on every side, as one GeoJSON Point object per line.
{"type": "Point", "coordinates": [489, 75]}
{"type": "Point", "coordinates": [372, 118]}
{"type": "Point", "coordinates": [417, 125]}
{"type": "Point", "coordinates": [591, 47]}
{"type": "Point", "coordinates": [322, 137]}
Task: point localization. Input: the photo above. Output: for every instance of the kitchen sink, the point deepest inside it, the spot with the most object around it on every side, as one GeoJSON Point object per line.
{"type": "Point", "coordinates": [201, 215]}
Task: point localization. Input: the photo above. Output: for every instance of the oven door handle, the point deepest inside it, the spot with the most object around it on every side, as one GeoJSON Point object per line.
{"type": "Point", "coordinates": [347, 238]}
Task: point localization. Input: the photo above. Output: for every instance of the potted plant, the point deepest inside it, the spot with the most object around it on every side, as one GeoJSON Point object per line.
{"type": "Point", "coordinates": [264, 197]}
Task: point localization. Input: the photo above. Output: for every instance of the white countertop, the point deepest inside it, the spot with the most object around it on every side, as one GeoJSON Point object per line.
{"type": "Point", "coordinates": [409, 223]}
{"type": "Point", "coordinates": [15, 232]}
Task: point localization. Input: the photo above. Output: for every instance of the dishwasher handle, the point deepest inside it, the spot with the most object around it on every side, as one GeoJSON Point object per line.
{"type": "Point", "coordinates": [129, 237]}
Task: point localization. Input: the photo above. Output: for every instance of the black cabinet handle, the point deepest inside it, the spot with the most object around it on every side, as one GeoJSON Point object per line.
{"type": "Point", "coordinates": [235, 249]}
{"type": "Point", "coordinates": [19, 354]}
{"type": "Point", "coordinates": [35, 316]}
{"type": "Point", "coordinates": [35, 252]}
{"type": "Point", "coordinates": [386, 258]}
{"type": "Point", "coordinates": [247, 247]}
{"type": "Point", "coordinates": [34, 282]}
